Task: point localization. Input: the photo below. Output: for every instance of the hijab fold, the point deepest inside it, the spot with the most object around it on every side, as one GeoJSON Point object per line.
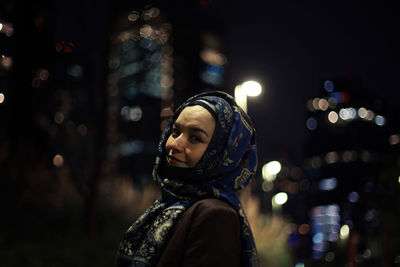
{"type": "Point", "coordinates": [227, 166]}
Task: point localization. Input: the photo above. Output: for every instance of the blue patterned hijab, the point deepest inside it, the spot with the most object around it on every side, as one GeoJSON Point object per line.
{"type": "Point", "coordinates": [227, 166]}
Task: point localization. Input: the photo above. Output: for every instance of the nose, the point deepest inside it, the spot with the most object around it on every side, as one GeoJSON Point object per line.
{"type": "Point", "coordinates": [178, 143]}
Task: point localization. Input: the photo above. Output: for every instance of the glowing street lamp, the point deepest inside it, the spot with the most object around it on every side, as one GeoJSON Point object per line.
{"type": "Point", "coordinates": [278, 200]}
{"type": "Point", "coordinates": [248, 88]}
{"type": "Point", "coordinates": [270, 170]}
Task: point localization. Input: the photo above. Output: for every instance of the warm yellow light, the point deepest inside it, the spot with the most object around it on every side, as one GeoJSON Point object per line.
{"type": "Point", "coordinates": [273, 167]}
{"type": "Point", "coordinates": [1, 98]}
{"type": "Point", "coordinates": [270, 170]}
{"type": "Point", "coordinates": [248, 88]}
{"type": "Point", "coordinates": [280, 198]}
{"type": "Point", "coordinates": [344, 231]}
{"type": "Point", "coordinates": [240, 97]}
{"type": "Point", "coordinates": [251, 88]}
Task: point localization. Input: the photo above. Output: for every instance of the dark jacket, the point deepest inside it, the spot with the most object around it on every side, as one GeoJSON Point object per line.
{"type": "Point", "coordinates": [207, 234]}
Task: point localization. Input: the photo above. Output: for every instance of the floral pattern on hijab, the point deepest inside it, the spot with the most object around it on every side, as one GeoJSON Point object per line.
{"type": "Point", "coordinates": [226, 166]}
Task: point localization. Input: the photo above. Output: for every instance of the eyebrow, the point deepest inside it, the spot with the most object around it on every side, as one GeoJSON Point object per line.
{"type": "Point", "coordinates": [191, 128]}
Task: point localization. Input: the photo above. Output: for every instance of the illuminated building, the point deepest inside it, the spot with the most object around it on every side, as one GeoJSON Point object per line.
{"type": "Point", "coordinates": [154, 66]}
{"type": "Point", "coordinates": [350, 188]}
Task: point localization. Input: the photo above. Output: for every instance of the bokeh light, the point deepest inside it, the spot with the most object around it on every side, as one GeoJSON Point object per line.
{"type": "Point", "coordinates": [370, 115]}
{"type": "Point", "coordinates": [273, 167]}
{"type": "Point", "coordinates": [365, 156]}
{"type": "Point", "coordinates": [367, 253]}
{"type": "Point", "coordinates": [304, 229]}
{"type": "Point", "coordinates": [328, 184]}
{"type": "Point", "coordinates": [280, 198]}
{"type": "Point", "coordinates": [316, 162]}
{"type": "Point", "coordinates": [309, 105]}
{"type": "Point", "coordinates": [315, 103]}
{"type": "Point", "coordinates": [75, 71]}
{"type": "Point", "coordinates": [331, 157]}
{"type": "Point", "coordinates": [323, 104]}
{"type": "Point", "coordinates": [362, 112]}
{"type": "Point", "coordinates": [325, 226]}
{"type": "Point", "coordinates": [133, 16]}
{"type": "Point", "coordinates": [311, 124]}
{"type": "Point", "coordinates": [353, 197]}
{"type": "Point", "coordinates": [7, 28]}
{"type": "Point", "coordinates": [347, 113]}
{"type": "Point", "coordinates": [330, 256]}
{"type": "Point", "coordinates": [393, 139]}
{"type": "Point", "coordinates": [59, 117]}
{"type": "Point", "coordinates": [43, 74]}
{"type": "Point", "coordinates": [58, 161]}
{"type": "Point", "coordinates": [333, 117]}
{"type": "Point", "coordinates": [132, 147]}
{"type": "Point", "coordinates": [332, 102]}
{"type": "Point", "coordinates": [213, 57]}
{"type": "Point", "coordinates": [380, 120]}
{"type": "Point", "coordinates": [131, 113]}
{"type": "Point", "coordinates": [267, 186]}
{"type": "Point", "coordinates": [344, 231]}
{"type": "Point", "coordinates": [329, 86]}
{"type": "Point", "coordinates": [251, 88]}
{"type": "Point", "coordinates": [2, 98]}
{"type": "Point", "coordinates": [270, 170]}
{"type": "Point", "coordinates": [349, 156]}
{"type": "Point", "coordinates": [6, 62]}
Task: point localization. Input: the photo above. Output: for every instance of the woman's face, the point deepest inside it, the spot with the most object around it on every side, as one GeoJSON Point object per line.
{"type": "Point", "coordinates": [190, 136]}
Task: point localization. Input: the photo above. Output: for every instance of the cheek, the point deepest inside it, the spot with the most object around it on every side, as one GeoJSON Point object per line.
{"type": "Point", "coordinates": [197, 154]}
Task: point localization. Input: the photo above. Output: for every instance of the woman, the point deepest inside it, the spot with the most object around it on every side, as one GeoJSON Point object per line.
{"type": "Point", "coordinates": [206, 153]}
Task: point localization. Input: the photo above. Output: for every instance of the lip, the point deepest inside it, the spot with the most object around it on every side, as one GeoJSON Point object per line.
{"type": "Point", "coordinates": [174, 160]}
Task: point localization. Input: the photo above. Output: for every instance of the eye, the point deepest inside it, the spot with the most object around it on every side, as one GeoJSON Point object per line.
{"type": "Point", "coordinates": [196, 139]}
{"type": "Point", "coordinates": [175, 132]}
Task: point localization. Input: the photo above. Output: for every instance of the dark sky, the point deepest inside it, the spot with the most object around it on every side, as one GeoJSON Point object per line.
{"type": "Point", "coordinates": [291, 47]}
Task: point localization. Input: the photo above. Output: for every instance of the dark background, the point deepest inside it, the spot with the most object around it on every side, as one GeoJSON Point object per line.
{"type": "Point", "coordinates": [74, 212]}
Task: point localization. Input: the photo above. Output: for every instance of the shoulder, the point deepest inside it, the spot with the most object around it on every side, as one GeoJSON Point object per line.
{"type": "Point", "coordinates": [214, 235]}
{"type": "Point", "coordinates": [210, 212]}
{"type": "Point", "coordinates": [207, 234]}
{"type": "Point", "coordinates": [212, 207]}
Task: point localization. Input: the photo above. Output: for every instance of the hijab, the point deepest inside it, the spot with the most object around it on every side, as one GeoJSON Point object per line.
{"type": "Point", "coordinates": [227, 165]}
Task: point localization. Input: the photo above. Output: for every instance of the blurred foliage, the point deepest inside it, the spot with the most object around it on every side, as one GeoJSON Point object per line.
{"type": "Point", "coordinates": [52, 233]}
{"type": "Point", "coordinates": [270, 233]}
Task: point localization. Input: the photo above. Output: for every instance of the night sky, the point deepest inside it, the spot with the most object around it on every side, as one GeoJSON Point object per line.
{"type": "Point", "coordinates": [292, 47]}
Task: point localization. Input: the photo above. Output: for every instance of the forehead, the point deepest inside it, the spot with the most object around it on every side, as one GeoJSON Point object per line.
{"type": "Point", "coordinates": [196, 115]}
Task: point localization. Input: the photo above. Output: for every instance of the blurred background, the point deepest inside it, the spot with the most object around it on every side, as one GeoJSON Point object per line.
{"type": "Point", "coordinates": [87, 86]}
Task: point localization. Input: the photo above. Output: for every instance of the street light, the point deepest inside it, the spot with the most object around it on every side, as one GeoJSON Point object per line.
{"type": "Point", "coordinates": [248, 88]}
{"type": "Point", "coordinates": [270, 170]}
{"type": "Point", "coordinates": [278, 200]}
